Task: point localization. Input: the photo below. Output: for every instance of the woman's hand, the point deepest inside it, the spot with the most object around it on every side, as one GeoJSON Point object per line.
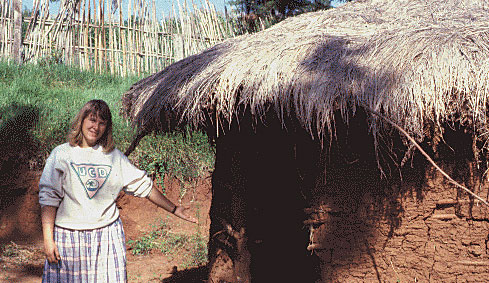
{"type": "Point", "coordinates": [181, 212]}
{"type": "Point", "coordinates": [160, 200]}
{"type": "Point", "coordinates": [51, 251]}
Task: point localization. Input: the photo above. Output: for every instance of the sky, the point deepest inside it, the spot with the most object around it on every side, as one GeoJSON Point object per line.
{"type": "Point", "coordinates": [163, 7]}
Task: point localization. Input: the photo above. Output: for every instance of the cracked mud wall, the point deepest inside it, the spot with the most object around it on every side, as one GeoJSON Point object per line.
{"type": "Point", "coordinates": [281, 186]}
{"type": "Point", "coordinates": [431, 233]}
{"type": "Point", "coordinates": [411, 225]}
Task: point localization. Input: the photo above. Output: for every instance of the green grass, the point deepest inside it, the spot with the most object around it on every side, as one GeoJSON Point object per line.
{"type": "Point", "coordinates": [192, 247]}
{"type": "Point", "coordinates": [14, 254]}
{"type": "Point", "coordinates": [40, 101]}
{"type": "Point", "coordinates": [57, 92]}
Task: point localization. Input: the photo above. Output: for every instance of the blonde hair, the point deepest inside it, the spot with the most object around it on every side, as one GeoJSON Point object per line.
{"type": "Point", "coordinates": [101, 110]}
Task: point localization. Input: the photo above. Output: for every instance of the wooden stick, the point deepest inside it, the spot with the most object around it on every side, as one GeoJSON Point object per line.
{"type": "Point", "coordinates": [121, 42]}
{"type": "Point", "coordinates": [10, 51]}
{"type": "Point", "coordinates": [315, 221]}
{"type": "Point", "coordinates": [444, 216]}
{"type": "Point", "coordinates": [411, 139]}
{"type": "Point", "coordinates": [88, 37]}
{"type": "Point", "coordinates": [3, 28]}
{"type": "Point", "coordinates": [103, 66]}
{"type": "Point", "coordinates": [111, 41]}
{"type": "Point", "coordinates": [83, 34]}
{"type": "Point", "coordinates": [130, 39]}
{"type": "Point", "coordinates": [315, 246]}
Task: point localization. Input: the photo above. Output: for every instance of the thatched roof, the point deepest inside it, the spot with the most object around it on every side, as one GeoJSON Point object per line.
{"type": "Point", "coordinates": [412, 60]}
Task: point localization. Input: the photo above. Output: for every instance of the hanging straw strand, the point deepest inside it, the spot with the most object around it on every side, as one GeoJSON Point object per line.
{"type": "Point", "coordinates": [411, 139]}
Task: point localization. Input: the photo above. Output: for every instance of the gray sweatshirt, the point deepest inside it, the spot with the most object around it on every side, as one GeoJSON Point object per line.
{"type": "Point", "coordinates": [85, 182]}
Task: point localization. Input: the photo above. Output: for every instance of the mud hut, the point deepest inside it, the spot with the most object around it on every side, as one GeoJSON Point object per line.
{"type": "Point", "coordinates": [310, 183]}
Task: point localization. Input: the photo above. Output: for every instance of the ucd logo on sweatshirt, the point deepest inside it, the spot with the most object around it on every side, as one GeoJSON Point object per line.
{"type": "Point", "coordinates": [92, 176]}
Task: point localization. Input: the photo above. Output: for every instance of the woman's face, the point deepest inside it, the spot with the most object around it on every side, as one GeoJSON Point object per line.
{"type": "Point", "coordinates": [93, 129]}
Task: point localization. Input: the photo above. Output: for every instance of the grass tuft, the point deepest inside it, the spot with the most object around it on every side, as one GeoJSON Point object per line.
{"type": "Point", "coordinates": [12, 254]}
{"type": "Point", "coordinates": [193, 248]}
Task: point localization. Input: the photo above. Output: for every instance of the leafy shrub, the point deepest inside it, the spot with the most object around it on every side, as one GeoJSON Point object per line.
{"type": "Point", "coordinates": [57, 92]}
{"type": "Point", "coordinates": [185, 156]}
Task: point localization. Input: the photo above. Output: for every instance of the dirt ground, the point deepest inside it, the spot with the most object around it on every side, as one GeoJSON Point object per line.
{"type": "Point", "coordinates": [21, 235]}
{"type": "Point", "coordinates": [439, 235]}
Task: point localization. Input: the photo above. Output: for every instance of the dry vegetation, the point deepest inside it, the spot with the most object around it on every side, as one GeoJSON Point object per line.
{"type": "Point", "coordinates": [421, 64]}
{"type": "Point", "coordinates": [121, 39]}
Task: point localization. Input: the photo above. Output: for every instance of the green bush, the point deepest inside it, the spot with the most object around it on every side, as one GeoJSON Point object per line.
{"type": "Point", "coordinates": [185, 156]}
{"type": "Point", "coordinates": [57, 92]}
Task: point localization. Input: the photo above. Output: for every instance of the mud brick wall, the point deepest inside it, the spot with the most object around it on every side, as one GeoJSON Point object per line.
{"type": "Point", "coordinates": [432, 233]}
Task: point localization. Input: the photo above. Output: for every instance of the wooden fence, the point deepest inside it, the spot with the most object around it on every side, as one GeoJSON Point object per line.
{"type": "Point", "coordinates": [10, 29]}
{"type": "Point", "coordinates": [104, 36]}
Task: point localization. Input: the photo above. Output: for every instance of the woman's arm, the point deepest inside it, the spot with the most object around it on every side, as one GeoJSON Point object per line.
{"type": "Point", "coordinates": [160, 200]}
{"type": "Point", "coordinates": [48, 215]}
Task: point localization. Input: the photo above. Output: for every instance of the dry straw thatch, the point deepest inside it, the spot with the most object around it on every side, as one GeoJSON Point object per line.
{"type": "Point", "coordinates": [413, 61]}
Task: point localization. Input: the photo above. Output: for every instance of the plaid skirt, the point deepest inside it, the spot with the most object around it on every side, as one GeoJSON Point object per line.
{"type": "Point", "coordinates": [97, 255]}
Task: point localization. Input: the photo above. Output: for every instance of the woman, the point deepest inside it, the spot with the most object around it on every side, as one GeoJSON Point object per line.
{"type": "Point", "coordinates": [83, 235]}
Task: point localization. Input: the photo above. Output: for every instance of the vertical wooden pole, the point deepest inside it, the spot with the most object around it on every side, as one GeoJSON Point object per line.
{"type": "Point", "coordinates": [110, 53]}
{"type": "Point", "coordinates": [103, 46]}
{"type": "Point", "coordinates": [17, 36]}
{"type": "Point", "coordinates": [88, 40]}
{"type": "Point", "coordinates": [130, 40]}
{"type": "Point", "coordinates": [139, 39]}
{"type": "Point", "coordinates": [122, 41]}
{"type": "Point", "coordinates": [3, 27]}
{"type": "Point", "coordinates": [95, 36]}
{"type": "Point", "coordinates": [88, 63]}
{"type": "Point", "coordinates": [40, 38]}
{"type": "Point", "coordinates": [81, 38]}
{"type": "Point", "coordinates": [77, 35]}
{"type": "Point", "coordinates": [154, 41]}
{"type": "Point", "coordinates": [17, 31]}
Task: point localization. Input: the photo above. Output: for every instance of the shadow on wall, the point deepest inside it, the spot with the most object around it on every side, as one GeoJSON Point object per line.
{"type": "Point", "coordinates": [360, 188]}
{"type": "Point", "coordinates": [269, 170]}
{"type": "Point", "coordinates": [19, 209]}
{"type": "Point", "coordinates": [352, 203]}
{"type": "Point", "coordinates": [255, 187]}
{"type": "Point", "coordinates": [356, 181]}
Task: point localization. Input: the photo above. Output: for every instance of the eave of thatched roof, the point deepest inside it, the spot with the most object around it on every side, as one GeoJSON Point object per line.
{"type": "Point", "coordinates": [413, 61]}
